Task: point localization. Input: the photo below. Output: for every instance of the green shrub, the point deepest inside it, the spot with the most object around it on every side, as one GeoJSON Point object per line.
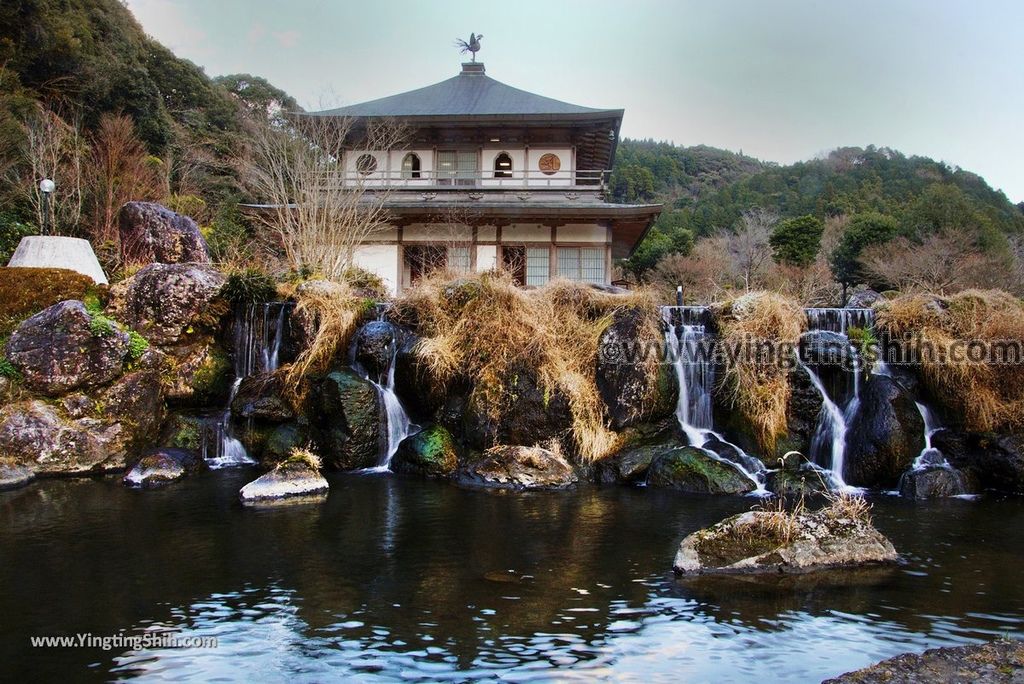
{"type": "Point", "coordinates": [250, 286]}
{"type": "Point", "coordinates": [189, 205]}
{"type": "Point", "coordinates": [366, 281]}
{"type": "Point", "coordinates": [7, 369]}
{"type": "Point", "coordinates": [11, 232]}
{"type": "Point", "coordinates": [227, 234]}
{"type": "Point", "coordinates": [137, 346]}
{"type": "Point", "coordinates": [101, 326]}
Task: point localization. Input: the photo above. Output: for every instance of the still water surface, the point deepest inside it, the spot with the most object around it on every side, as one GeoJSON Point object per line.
{"type": "Point", "coordinates": [403, 579]}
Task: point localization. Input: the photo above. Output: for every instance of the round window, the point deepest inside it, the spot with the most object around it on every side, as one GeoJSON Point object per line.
{"type": "Point", "coordinates": [549, 164]}
{"type": "Point", "coordinates": [366, 164]}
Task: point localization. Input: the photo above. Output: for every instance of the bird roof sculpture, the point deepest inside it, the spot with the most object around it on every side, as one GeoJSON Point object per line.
{"type": "Point", "coordinates": [471, 46]}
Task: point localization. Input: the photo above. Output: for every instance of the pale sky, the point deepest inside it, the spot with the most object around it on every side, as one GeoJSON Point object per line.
{"type": "Point", "coordinates": [782, 80]}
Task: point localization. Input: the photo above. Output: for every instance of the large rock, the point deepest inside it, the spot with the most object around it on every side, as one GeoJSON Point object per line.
{"type": "Point", "coordinates": [884, 436]}
{"type": "Point", "coordinates": [166, 302]}
{"type": "Point", "coordinates": [34, 435]}
{"type": "Point", "coordinates": [781, 542]}
{"type": "Point", "coordinates": [865, 299]}
{"type": "Point", "coordinates": [518, 467]}
{"type": "Point", "coordinates": [14, 475]}
{"type": "Point", "coordinates": [134, 403]}
{"type": "Point", "coordinates": [287, 484]}
{"type": "Point", "coordinates": [151, 232]}
{"type": "Point", "coordinates": [261, 397]}
{"type": "Point", "coordinates": [352, 421]}
{"type": "Point", "coordinates": [806, 479]}
{"type": "Point", "coordinates": [57, 351]}
{"type": "Point", "coordinates": [534, 415]}
{"type": "Point", "coordinates": [994, 461]}
{"type": "Point", "coordinates": [417, 388]}
{"type": "Point", "coordinates": [933, 482]}
{"type": "Point", "coordinates": [163, 466]}
{"type": "Point", "coordinates": [630, 464]}
{"type": "Point", "coordinates": [431, 452]}
{"type": "Point", "coordinates": [198, 373]}
{"type": "Point", "coordinates": [375, 346]}
{"type": "Point", "coordinates": [631, 393]}
{"type": "Point", "coordinates": [1001, 661]}
{"type": "Point", "coordinates": [694, 470]}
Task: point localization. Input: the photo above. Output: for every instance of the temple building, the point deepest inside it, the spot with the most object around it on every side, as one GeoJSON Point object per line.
{"type": "Point", "coordinates": [492, 176]}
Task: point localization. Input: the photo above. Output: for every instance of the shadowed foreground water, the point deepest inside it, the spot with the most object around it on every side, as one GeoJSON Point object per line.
{"type": "Point", "coordinates": [403, 579]}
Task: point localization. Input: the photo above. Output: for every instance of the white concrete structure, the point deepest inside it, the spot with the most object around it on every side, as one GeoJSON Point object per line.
{"type": "Point", "coordinates": [53, 251]}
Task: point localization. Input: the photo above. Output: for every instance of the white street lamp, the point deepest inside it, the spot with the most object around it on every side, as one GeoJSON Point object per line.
{"type": "Point", "coordinates": [46, 186]}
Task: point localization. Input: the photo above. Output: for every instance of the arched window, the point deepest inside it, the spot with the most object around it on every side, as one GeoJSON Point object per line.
{"type": "Point", "coordinates": [366, 164]}
{"type": "Point", "coordinates": [411, 165]}
{"type": "Point", "coordinates": [503, 166]}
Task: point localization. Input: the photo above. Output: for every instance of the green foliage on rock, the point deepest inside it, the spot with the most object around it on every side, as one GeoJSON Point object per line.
{"type": "Point", "coordinates": [11, 232]}
{"type": "Point", "coordinates": [864, 231]}
{"type": "Point", "coordinates": [137, 346]}
{"type": "Point", "coordinates": [251, 286]}
{"type": "Point", "coordinates": [796, 241]}
{"type": "Point", "coordinates": [27, 291]}
{"type": "Point", "coordinates": [101, 326]}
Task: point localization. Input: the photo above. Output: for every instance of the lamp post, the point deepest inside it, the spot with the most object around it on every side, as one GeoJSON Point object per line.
{"type": "Point", "coordinates": [46, 187]}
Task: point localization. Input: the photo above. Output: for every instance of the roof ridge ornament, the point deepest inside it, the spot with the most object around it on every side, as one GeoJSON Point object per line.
{"type": "Point", "coordinates": [471, 46]}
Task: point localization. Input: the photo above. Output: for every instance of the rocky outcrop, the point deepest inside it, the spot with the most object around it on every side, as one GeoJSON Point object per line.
{"type": "Point", "coordinates": [261, 397]}
{"type": "Point", "coordinates": [992, 461]}
{"type": "Point", "coordinates": [630, 464]}
{"type": "Point", "coordinates": [34, 435]}
{"type": "Point", "coordinates": [630, 394]}
{"type": "Point", "coordinates": [884, 436]}
{"type": "Point", "coordinates": [992, 663]}
{"type": "Point", "coordinates": [58, 350]}
{"type": "Point", "coordinates": [375, 345]}
{"type": "Point", "coordinates": [198, 373]}
{"type": "Point", "coordinates": [865, 299]}
{"type": "Point", "coordinates": [694, 470]}
{"type": "Point", "coordinates": [431, 452]}
{"type": "Point", "coordinates": [168, 302]}
{"type": "Point", "coordinates": [535, 414]}
{"type": "Point", "coordinates": [287, 484]}
{"type": "Point", "coordinates": [14, 475]}
{"type": "Point", "coordinates": [781, 542]}
{"type": "Point", "coordinates": [351, 421]}
{"type": "Point", "coordinates": [933, 482]}
{"type": "Point", "coordinates": [518, 467]}
{"type": "Point", "coordinates": [151, 232]}
{"type": "Point", "coordinates": [161, 467]}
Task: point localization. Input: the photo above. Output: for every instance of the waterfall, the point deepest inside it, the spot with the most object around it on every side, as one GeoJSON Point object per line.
{"type": "Point", "coordinates": [688, 347]}
{"type": "Point", "coordinates": [828, 444]}
{"type": "Point", "coordinates": [399, 426]}
{"type": "Point", "coordinates": [259, 332]}
{"type": "Point", "coordinates": [929, 455]}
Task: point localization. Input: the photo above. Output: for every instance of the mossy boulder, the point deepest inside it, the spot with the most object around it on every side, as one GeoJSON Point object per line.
{"type": "Point", "coordinates": [933, 482]}
{"type": "Point", "coordinates": [431, 452]}
{"type": "Point", "coordinates": [518, 467]}
{"type": "Point", "coordinates": [352, 421]}
{"type": "Point", "coordinates": [161, 467]}
{"type": "Point", "coordinates": [35, 435]}
{"type": "Point", "coordinates": [630, 392]}
{"type": "Point", "coordinates": [283, 439]}
{"type": "Point", "coordinates": [261, 397]}
{"type": "Point", "coordinates": [515, 410]}
{"type": "Point", "coordinates": [694, 470]}
{"type": "Point", "coordinates": [782, 542]}
{"type": "Point", "coordinates": [197, 374]}
{"type": "Point", "coordinates": [27, 291]}
{"type": "Point", "coordinates": [630, 464]}
{"type": "Point", "coordinates": [151, 232]}
{"type": "Point", "coordinates": [59, 350]}
{"type": "Point", "coordinates": [168, 303]}
{"type": "Point", "coordinates": [885, 435]}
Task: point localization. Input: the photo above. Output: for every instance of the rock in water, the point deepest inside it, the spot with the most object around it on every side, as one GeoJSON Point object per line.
{"type": "Point", "coordinates": [694, 470]}
{"type": "Point", "coordinates": [13, 475]}
{"type": "Point", "coordinates": [165, 302]}
{"type": "Point", "coordinates": [884, 436]}
{"type": "Point", "coordinates": [151, 232]}
{"type": "Point", "coordinates": [375, 344]}
{"type": "Point", "coordinates": [163, 466]}
{"type": "Point", "coordinates": [631, 463]}
{"type": "Point", "coordinates": [287, 484]}
{"type": "Point", "coordinates": [630, 394]}
{"type": "Point", "coordinates": [518, 467]}
{"type": "Point", "coordinates": [57, 351]}
{"type": "Point", "coordinates": [774, 542]}
{"type": "Point", "coordinates": [352, 421]}
{"type": "Point", "coordinates": [999, 661]}
{"type": "Point", "coordinates": [932, 482]}
{"type": "Point", "coordinates": [432, 452]}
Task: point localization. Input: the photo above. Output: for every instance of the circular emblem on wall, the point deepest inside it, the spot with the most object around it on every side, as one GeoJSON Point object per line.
{"type": "Point", "coordinates": [549, 163]}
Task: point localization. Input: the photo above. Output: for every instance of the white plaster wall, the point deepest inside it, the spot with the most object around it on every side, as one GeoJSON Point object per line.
{"type": "Point", "coordinates": [433, 232]}
{"type": "Point", "coordinates": [486, 257]}
{"type": "Point", "coordinates": [562, 177]}
{"type": "Point", "coordinates": [382, 260]}
{"type": "Point", "coordinates": [486, 234]}
{"type": "Point", "coordinates": [525, 232]}
{"type": "Point", "coordinates": [582, 232]}
{"type": "Point", "coordinates": [487, 157]}
{"type": "Point", "coordinates": [426, 168]}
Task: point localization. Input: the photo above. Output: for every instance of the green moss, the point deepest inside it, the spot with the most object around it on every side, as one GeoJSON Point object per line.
{"type": "Point", "coordinates": [27, 291]}
{"type": "Point", "coordinates": [7, 369]}
{"type": "Point", "coordinates": [187, 435]}
{"type": "Point", "coordinates": [250, 286]}
{"type": "Point", "coordinates": [101, 326]}
{"type": "Point", "coordinates": [137, 346]}
{"type": "Point", "coordinates": [213, 375]}
{"type": "Point", "coordinates": [736, 542]}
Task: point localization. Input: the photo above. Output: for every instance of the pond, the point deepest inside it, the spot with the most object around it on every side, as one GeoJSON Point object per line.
{"type": "Point", "coordinates": [406, 579]}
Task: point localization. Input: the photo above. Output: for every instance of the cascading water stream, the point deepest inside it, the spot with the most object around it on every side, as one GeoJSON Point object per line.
{"type": "Point", "coordinates": [259, 332]}
{"type": "Point", "coordinates": [829, 439]}
{"type": "Point", "coordinates": [688, 347]}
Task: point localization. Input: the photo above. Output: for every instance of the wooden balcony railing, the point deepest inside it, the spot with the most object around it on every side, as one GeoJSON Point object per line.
{"type": "Point", "coordinates": [510, 180]}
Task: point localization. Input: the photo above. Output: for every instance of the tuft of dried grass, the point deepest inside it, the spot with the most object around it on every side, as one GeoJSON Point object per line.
{"type": "Point", "coordinates": [333, 310]}
{"type": "Point", "coordinates": [301, 456]}
{"type": "Point", "coordinates": [479, 328]}
{"type": "Point", "coordinates": [846, 506]}
{"type": "Point", "coordinates": [989, 396]}
{"type": "Point", "coordinates": [756, 382]}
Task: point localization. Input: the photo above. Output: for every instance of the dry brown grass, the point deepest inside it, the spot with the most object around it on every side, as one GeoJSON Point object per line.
{"type": "Point", "coordinates": [988, 396]}
{"type": "Point", "coordinates": [479, 328]}
{"type": "Point", "coordinates": [301, 456]}
{"type": "Point", "coordinates": [333, 310]}
{"type": "Point", "coordinates": [847, 506]}
{"type": "Point", "coordinates": [758, 384]}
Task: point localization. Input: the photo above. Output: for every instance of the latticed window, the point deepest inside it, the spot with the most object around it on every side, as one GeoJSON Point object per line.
{"type": "Point", "coordinates": [584, 264]}
{"type": "Point", "coordinates": [411, 166]}
{"type": "Point", "coordinates": [456, 168]}
{"type": "Point", "coordinates": [458, 259]}
{"type": "Point", "coordinates": [538, 265]}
